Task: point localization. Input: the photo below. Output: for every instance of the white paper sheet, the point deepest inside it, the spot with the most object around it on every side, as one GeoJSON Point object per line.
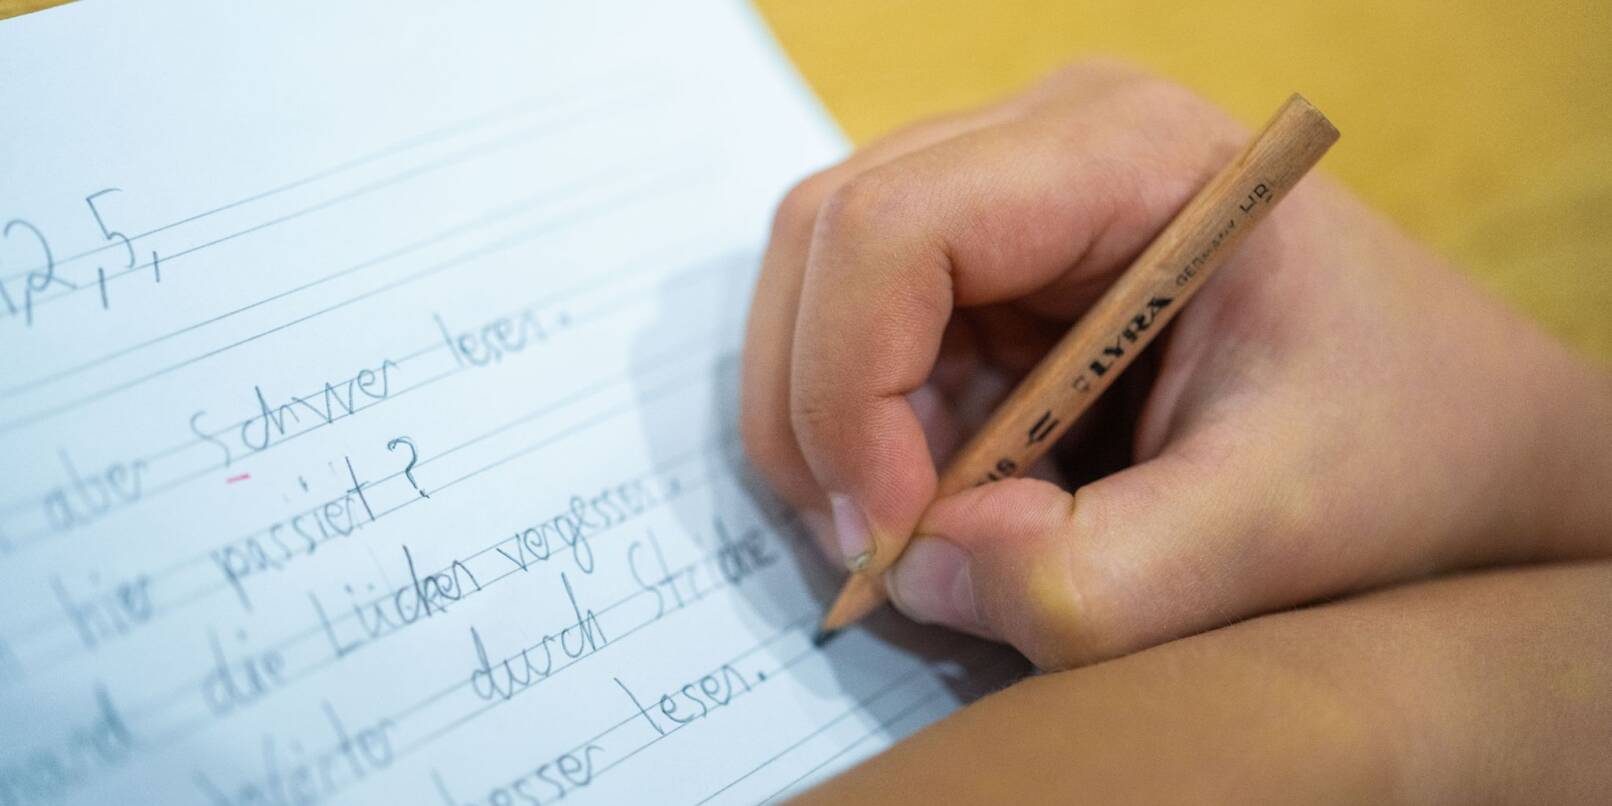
{"type": "Point", "coordinates": [367, 414]}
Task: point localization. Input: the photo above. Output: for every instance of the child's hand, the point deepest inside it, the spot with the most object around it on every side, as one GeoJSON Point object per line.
{"type": "Point", "coordinates": [1335, 410]}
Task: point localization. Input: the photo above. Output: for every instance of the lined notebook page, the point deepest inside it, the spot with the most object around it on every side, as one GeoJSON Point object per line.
{"type": "Point", "coordinates": [367, 414]}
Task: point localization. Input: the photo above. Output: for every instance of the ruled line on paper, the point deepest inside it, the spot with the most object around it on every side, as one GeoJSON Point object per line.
{"type": "Point", "coordinates": [532, 202]}
{"type": "Point", "coordinates": [426, 138]}
{"type": "Point", "coordinates": [471, 256]}
{"type": "Point", "coordinates": [542, 568]}
{"type": "Point", "coordinates": [211, 556]}
{"type": "Point", "coordinates": [24, 539]}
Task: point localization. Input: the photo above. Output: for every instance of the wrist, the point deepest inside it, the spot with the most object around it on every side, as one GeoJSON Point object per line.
{"type": "Point", "coordinates": [1533, 456]}
{"type": "Point", "coordinates": [1574, 466]}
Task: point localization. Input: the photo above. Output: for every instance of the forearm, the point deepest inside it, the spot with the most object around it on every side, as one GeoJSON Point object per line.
{"type": "Point", "coordinates": [1484, 688]}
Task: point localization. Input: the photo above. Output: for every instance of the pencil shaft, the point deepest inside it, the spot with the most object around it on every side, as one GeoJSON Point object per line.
{"type": "Point", "coordinates": [1151, 292]}
{"type": "Point", "coordinates": [1128, 316]}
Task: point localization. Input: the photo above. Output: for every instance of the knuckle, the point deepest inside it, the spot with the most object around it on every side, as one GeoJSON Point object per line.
{"type": "Point", "coordinates": [1104, 68]}
{"type": "Point", "coordinates": [1143, 93]}
{"type": "Point", "coordinates": [871, 201]}
{"type": "Point", "coordinates": [1089, 78]}
{"type": "Point", "coordinates": [931, 129]}
{"type": "Point", "coordinates": [1065, 615]}
{"type": "Point", "coordinates": [1152, 93]}
{"type": "Point", "coordinates": [1215, 135]}
{"type": "Point", "coordinates": [811, 412]}
{"type": "Point", "coordinates": [797, 211]}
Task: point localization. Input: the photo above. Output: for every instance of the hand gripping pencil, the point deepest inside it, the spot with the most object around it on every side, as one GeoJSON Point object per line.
{"type": "Point", "coordinates": [1122, 323]}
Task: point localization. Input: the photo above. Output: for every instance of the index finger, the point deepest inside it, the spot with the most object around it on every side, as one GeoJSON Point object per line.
{"type": "Point", "coordinates": [1035, 207]}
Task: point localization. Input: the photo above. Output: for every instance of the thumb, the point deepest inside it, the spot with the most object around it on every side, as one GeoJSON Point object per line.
{"type": "Point", "coordinates": [1160, 550]}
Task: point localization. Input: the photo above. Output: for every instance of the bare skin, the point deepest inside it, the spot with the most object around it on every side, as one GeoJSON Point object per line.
{"type": "Point", "coordinates": [1491, 688]}
{"type": "Point", "coordinates": [1337, 410]}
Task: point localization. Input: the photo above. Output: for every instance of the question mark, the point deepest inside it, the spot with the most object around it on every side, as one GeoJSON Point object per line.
{"type": "Point", "coordinates": [414, 458]}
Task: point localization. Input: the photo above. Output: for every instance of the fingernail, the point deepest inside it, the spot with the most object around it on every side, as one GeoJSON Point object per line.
{"type": "Point", "coordinates": [851, 528]}
{"type": "Point", "coordinates": [931, 583]}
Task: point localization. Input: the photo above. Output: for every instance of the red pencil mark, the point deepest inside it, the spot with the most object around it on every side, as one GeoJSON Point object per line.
{"type": "Point", "coordinates": [233, 479]}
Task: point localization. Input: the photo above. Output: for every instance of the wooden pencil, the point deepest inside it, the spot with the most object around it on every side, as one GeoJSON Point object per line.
{"type": "Point", "coordinates": [1125, 319]}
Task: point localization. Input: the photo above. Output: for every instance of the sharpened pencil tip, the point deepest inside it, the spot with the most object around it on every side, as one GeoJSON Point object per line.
{"type": "Point", "coordinates": [861, 595]}
{"type": "Point", "coordinates": [822, 637]}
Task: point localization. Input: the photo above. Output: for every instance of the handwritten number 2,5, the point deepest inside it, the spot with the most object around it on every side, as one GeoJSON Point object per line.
{"type": "Point", "coordinates": [414, 458]}
{"type": "Point", "coordinates": [38, 280]}
{"type": "Point", "coordinates": [110, 235]}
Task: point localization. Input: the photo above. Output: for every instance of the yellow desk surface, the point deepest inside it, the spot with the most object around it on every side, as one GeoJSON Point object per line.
{"type": "Point", "coordinates": [1485, 128]}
